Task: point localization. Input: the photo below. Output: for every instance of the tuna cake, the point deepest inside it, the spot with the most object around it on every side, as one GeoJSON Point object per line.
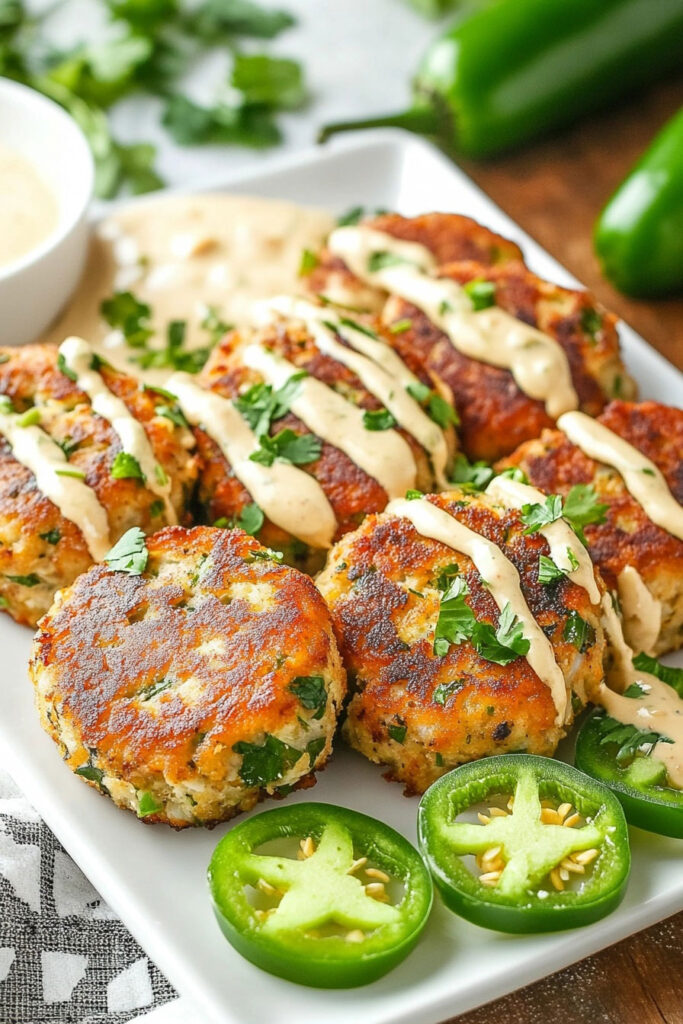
{"type": "Point", "coordinates": [189, 677]}
{"type": "Point", "coordinates": [639, 544]}
{"type": "Point", "coordinates": [513, 350]}
{"type": "Point", "coordinates": [457, 643]}
{"type": "Point", "coordinates": [85, 454]}
{"type": "Point", "coordinates": [310, 423]}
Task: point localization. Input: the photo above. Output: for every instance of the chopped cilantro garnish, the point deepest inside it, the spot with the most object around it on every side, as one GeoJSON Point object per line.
{"type": "Point", "coordinates": [667, 673]}
{"type": "Point", "coordinates": [64, 368]}
{"type": "Point", "coordinates": [32, 580]}
{"type": "Point", "coordinates": [400, 326]}
{"type": "Point", "coordinates": [412, 494]}
{"type": "Point", "coordinates": [29, 418]}
{"type": "Point", "coordinates": [438, 409]}
{"type": "Point", "coordinates": [288, 446]}
{"type": "Point", "coordinates": [356, 326]}
{"type": "Point", "coordinates": [582, 507]}
{"type": "Point", "coordinates": [378, 419]}
{"type": "Point", "coordinates": [147, 805]}
{"type": "Point", "coordinates": [548, 572]}
{"type": "Point", "coordinates": [456, 621]}
{"type": "Point", "coordinates": [352, 216]}
{"type": "Point", "coordinates": [129, 554]}
{"type": "Point", "coordinates": [154, 688]}
{"type": "Point", "coordinates": [267, 762]}
{"type": "Point", "coordinates": [313, 749]}
{"type": "Point", "coordinates": [481, 293]}
{"type": "Point", "coordinates": [444, 691]}
{"type": "Point", "coordinates": [471, 476]}
{"type": "Point", "coordinates": [381, 260]}
{"type": "Point", "coordinates": [578, 632]}
{"type": "Point", "coordinates": [125, 466]}
{"type": "Point", "coordinates": [215, 326]}
{"type": "Point", "coordinates": [456, 624]}
{"type": "Point", "coordinates": [311, 693]}
{"type": "Point", "coordinates": [397, 733]}
{"type": "Point", "coordinates": [308, 262]}
{"type": "Point", "coordinates": [539, 515]}
{"type": "Point", "coordinates": [72, 471]}
{"type": "Point", "coordinates": [261, 404]}
{"type": "Point", "coordinates": [92, 774]}
{"type": "Point", "coordinates": [503, 644]}
{"type": "Point", "coordinates": [130, 316]}
{"type": "Point", "coordinates": [591, 322]}
{"type": "Point", "coordinates": [52, 536]}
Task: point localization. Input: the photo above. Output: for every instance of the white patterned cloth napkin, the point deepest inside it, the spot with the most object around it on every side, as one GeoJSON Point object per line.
{"type": "Point", "coordinates": [64, 955]}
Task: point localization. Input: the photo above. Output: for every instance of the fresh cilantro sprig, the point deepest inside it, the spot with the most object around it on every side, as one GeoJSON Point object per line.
{"type": "Point", "coordinates": [129, 554]}
{"type": "Point", "coordinates": [456, 624]}
{"type": "Point", "coordinates": [250, 519]}
{"type": "Point", "coordinates": [471, 476]}
{"type": "Point", "coordinates": [311, 693]}
{"type": "Point", "coordinates": [580, 508]}
{"type": "Point", "coordinates": [287, 446]}
{"type": "Point", "coordinates": [149, 48]}
{"type": "Point", "coordinates": [261, 404]}
{"type": "Point", "coordinates": [437, 408]}
{"type": "Point", "coordinates": [125, 466]}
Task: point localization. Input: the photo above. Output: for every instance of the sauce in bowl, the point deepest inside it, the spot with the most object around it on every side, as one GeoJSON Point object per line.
{"type": "Point", "coordinates": [28, 208]}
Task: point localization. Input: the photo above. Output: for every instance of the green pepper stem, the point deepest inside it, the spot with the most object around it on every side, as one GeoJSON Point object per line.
{"type": "Point", "coordinates": [422, 120]}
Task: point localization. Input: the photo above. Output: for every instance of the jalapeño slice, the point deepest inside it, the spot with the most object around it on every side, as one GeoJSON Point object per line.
{"type": "Point", "coordinates": [320, 895]}
{"type": "Point", "coordinates": [550, 850]}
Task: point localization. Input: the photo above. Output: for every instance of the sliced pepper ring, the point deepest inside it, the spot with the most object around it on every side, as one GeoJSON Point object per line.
{"type": "Point", "coordinates": [519, 895]}
{"type": "Point", "coordinates": [640, 785]}
{"type": "Point", "coordinates": [327, 926]}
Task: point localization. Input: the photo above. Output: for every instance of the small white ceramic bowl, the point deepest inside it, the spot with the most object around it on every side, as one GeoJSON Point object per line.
{"type": "Point", "coordinates": [35, 287]}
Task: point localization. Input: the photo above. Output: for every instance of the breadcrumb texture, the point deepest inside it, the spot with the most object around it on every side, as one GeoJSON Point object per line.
{"type": "Point", "coordinates": [36, 541]}
{"type": "Point", "coordinates": [147, 683]}
{"type": "Point", "coordinates": [627, 537]}
{"type": "Point", "coordinates": [495, 414]}
{"type": "Point", "coordinates": [380, 584]}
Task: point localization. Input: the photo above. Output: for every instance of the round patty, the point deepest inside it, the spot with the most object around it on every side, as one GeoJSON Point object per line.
{"type": "Point", "coordinates": [41, 550]}
{"type": "Point", "coordinates": [188, 692]}
{"type": "Point", "coordinates": [422, 714]}
{"type": "Point", "coordinates": [351, 492]}
{"type": "Point", "coordinates": [628, 537]}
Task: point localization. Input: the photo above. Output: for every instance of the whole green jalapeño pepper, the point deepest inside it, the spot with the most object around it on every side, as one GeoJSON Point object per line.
{"type": "Point", "coordinates": [625, 759]}
{"type": "Point", "coordinates": [341, 908]}
{"type": "Point", "coordinates": [519, 68]}
{"type": "Point", "coordinates": [550, 847]}
{"type": "Point", "coordinates": [639, 234]}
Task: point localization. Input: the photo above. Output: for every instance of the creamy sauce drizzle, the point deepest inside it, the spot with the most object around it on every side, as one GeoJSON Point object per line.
{"type": "Point", "coordinates": [503, 583]}
{"type": "Point", "coordinates": [378, 367]}
{"type": "Point", "coordinates": [661, 709]}
{"type": "Point", "coordinates": [537, 362]}
{"type": "Point", "coordinates": [642, 613]}
{"type": "Point", "coordinates": [28, 208]}
{"type": "Point", "coordinates": [560, 536]}
{"type": "Point", "coordinates": [78, 357]}
{"type": "Point", "coordinates": [35, 449]}
{"type": "Point", "coordinates": [642, 478]}
{"type": "Point", "coordinates": [289, 497]}
{"type": "Point", "coordinates": [382, 454]}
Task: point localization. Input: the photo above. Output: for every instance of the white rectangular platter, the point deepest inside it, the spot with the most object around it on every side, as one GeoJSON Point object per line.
{"type": "Point", "coordinates": [155, 878]}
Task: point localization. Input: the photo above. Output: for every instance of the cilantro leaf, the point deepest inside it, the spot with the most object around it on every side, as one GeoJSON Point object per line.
{"type": "Point", "coordinates": [311, 693]}
{"type": "Point", "coordinates": [481, 293]}
{"type": "Point", "coordinates": [216, 20]}
{"type": "Point", "coordinates": [251, 519]}
{"type": "Point", "coordinates": [129, 554]}
{"type": "Point", "coordinates": [313, 749]}
{"type": "Point", "coordinates": [539, 515]}
{"type": "Point", "coordinates": [173, 413]}
{"type": "Point", "coordinates": [400, 326]}
{"type": "Point", "coordinates": [438, 409]}
{"type": "Point", "coordinates": [130, 315]}
{"type": "Point", "coordinates": [274, 82]}
{"type": "Point", "coordinates": [444, 691]}
{"type": "Point", "coordinates": [261, 404]}
{"type": "Point", "coordinates": [126, 466]}
{"type": "Point", "coordinates": [92, 774]}
{"type": "Point", "coordinates": [398, 733]}
{"type": "Point", "coordinates": [32, 580]}
{"type": "Point", "coordinates": [591, 322]}
{"type": "Point", "coordinates": [52, 536]}
{"type": "Point", "coordinates": [548, 572]}
{"type": "Point", "coordinates": [629, 739]}
{"type": "Point", "coordinates": [378, 419]}
{"type": "Point", "coordinates": [667, 673]}
{"type": "Point", "coordinates": [213, 323]}
{"type": "Point", "coordinates": [64, 368]}
{"type": "Point", "coordinates": [579, 632]}
{"type": "Point", "coordinates": [267, 762]}
{"type": "Point", "coordinates": [191, 124]}
{"type": "Point", "coordinates": [472, 476]}
{"type": "Point", "coordinates": [381, 260]}
{"type": "Point", "coordinates": [456, 619]}
{"type": "Point", "coordinates": [503, 644]}
{"type": "Point", "coordinates": [308, 263]}
{"type": "Point", "coordinates": [582, 507]}
{"type": "Point", "coordinates": [147, 805]}
{"type": "Point", "coordinates": [288, 446]}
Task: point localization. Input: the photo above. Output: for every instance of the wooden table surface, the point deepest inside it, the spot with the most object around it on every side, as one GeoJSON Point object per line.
{"type": "Point", "coordinates": [555, 190]}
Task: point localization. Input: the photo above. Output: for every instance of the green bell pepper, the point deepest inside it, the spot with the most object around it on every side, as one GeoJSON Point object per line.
{"type": "Point", "coordinates": [639, 234]}
{"type": "Point", "coordinates": [625, 759]}
{"type": "Point", "coordinates": [519, 68]}
{"type": "Point", "coordinates": [333, 919]}
{"type": "Point", "coordinates": [560, 858]}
